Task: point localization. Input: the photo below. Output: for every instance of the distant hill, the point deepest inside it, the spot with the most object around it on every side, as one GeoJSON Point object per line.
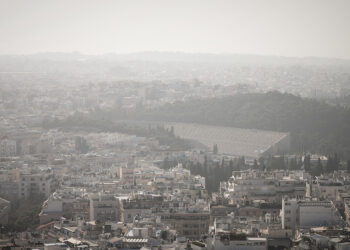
{"type": "Point", "coordinates": [314, 126]}
{"type": "Point", "coordinates": [308, 76]}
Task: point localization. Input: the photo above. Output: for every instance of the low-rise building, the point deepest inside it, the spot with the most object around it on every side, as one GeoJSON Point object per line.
{"type": "Point", "coordinates": [190, 225]}
{"type": "Point", "coordinates": [104, 207]}
{"type": "Point", "coordinates": [226, 241]}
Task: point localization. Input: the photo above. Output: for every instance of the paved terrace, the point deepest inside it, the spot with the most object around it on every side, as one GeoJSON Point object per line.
{"type": "Point", "coordinates": [230, 141]}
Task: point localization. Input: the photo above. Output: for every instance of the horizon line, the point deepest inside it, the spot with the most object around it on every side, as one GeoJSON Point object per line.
{"type": "Point", "coordinates": [187, 53]}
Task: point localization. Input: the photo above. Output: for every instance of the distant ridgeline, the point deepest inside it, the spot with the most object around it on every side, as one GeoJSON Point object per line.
{"type": "Point", "coordinates": [314, 126]}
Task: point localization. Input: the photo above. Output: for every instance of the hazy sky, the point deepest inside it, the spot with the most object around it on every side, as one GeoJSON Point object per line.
{"type": "Point", "coordinates": [274, 27]}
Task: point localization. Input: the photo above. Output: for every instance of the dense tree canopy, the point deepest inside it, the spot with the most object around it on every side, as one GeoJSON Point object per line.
{"type": "Point", "coordinates": [314, 126]}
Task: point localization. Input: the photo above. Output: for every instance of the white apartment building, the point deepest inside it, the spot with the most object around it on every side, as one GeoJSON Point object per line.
{"type": "Point", "coordinates": [328, 189]}
{"type": "Point", "coordinates": [225, 242]}
{"type": "Point", "coordinates": [318, 213]}
{"type": "Point", "coordinates": [258, 185]}
{"type": "Point", "coordinates": [31, 184]}
{"type": "Point", "coordinates": [306, 214]}
{"type": "Point", "coordinates": [289, 213]}
{"type": "Point", "coordinates": [104, 207]}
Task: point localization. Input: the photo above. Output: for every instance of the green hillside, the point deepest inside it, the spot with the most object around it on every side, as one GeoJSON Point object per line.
{"type": "Point", "coordinates": [314, 126]}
